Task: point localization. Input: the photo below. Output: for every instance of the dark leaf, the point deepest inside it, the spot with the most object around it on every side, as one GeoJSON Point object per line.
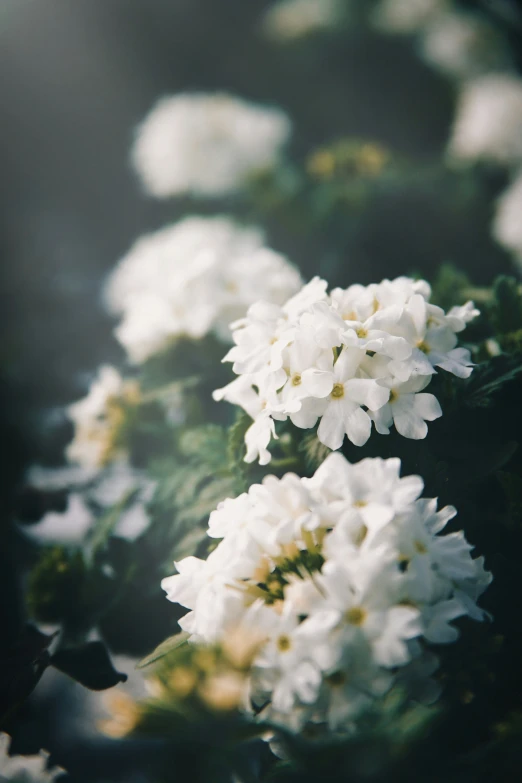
{"type": "Point", "coordinates": [489, 378]}
{"type": "Point", "coordinates": [89, 665]}
{"type": "Point", "coordinates": [21, 667]}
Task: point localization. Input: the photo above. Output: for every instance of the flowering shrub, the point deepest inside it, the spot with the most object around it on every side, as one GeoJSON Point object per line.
{"type": "Point", "coordinates": [359, 355]}
{"type": "Point", "coordinates": [314, 607]}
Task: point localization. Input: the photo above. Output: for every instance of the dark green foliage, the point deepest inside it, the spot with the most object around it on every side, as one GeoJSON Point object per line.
{"type": "Point", "coordinates": [505, 308]}
{"type": "Point", "coordinates": [89, 665]}
{"type": "Point", "coordinates": [21, 666]}
{"type": "Point", "coordinates": [55, 585]}
{"type": "Point", "coordinates": [449, 287]}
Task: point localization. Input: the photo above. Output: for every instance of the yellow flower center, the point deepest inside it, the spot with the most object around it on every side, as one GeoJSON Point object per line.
{"type": "Point", "coordinates": [296, 380]}
{"type": "Point", "coordinates": [355, 616]}
{"type": "Point", "coordinates": [283, 643]}
{"type": "Point", "coordinates": [337, 391]}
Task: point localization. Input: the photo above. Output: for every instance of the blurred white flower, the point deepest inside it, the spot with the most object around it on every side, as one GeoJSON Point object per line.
{"type": "Point", "coordinates": [462, 45]}
{"type": "Point", "coordinates": [192, 278]}
{"type": "Point", "coordinates": [344, 576]}
{"type": "Point", "coordinates": [488, 123]}
{"type": "Point", "coordinates": [289, 19]}
{"type": "Point", "coordinates": [98, 417]}
{"type": "Point", "coordinates": [507, 225]}
{"type": "Point", "coordinates": [206, 144]}
{"type": "Point", "coordinates": [91, 494]}
{"type": "Point", "coordinates": [406, 16]}
{"type": "Point", "coordinates": [25, 769]}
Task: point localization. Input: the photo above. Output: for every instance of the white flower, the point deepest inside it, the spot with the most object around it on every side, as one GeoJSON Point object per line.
{"type": "Point", "coordinates": [342, 413]}
{"type": "Point", "coordinates": [97, 418]}
{"type": "Point", "coordinates": [25, 769]}
{"type": "Point", "coordinates": [290, 19]}
{"type": "Point", "coordinates": [507, 225]}
{"type": "Point", "coordinates": [90, 496]}
{"type": "Point", "coordinates": [361, 354]}
{"type": "Point", "coordinates": [206, 144]}
{"type": "Point", "coordinates": [488, 122]}
{"type": "Point", "coordinates": [406, 16]}
{"type": "Point", "coordinates": [462, 45]}
{"type": "Point", "coordinates": [344, 577]}
{"type": "Point", "coordinates": [408, 409]}
{"type": "Point", "coordinates": [192, 278]}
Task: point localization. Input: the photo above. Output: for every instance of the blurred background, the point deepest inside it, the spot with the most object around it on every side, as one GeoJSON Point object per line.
{"type": "Point", "coordinates": [75, 80]}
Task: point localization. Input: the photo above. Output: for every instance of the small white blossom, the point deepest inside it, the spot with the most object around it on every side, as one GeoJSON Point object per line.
{"type": "Point", "coordinates": [90, 495]}
{"type": "Point", "coordinates": [507, 225]}
{"type": "Point", "coordinates": [97, 417]}
{"type": "Point", "coordinates": [488, 123]}
{"type": "Point", "coordinates": [362, 354]}
{"type": "Point", "coordinates": [206, 144]}
{"type": "Point", "coordinates": [462, 45]}
{"type": "Point", "coordinates": [193, 278]}
{"type": "Point", "coordinates": [408, 409]}
{"type": "Point", "coordinates": [406, 16]}
{"type": "Point", "coordinates": [25, 769]}
{"type": "Point", "coordinates": [290, 19]}
{"type": "Point", "coordinates": [345, 577]}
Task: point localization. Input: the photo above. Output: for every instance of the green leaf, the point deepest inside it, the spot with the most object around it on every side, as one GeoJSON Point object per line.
{"type": "Point", "coordinates": [449, 287]}
{"type": "Point", "coordinates": [89, 665]}
{"type": "Point", "coordinates": [488, 379]}
{"type": "Point", "coordinates": [236, 441]}
{"type": "Point", "coordinates": [505, 310]}
{"type": "Point", "coordinates": [104, 526]}
{"type": "Point", "coordinates": [21, 667]}
{"type": "Point", "coordinates": [163, 649]}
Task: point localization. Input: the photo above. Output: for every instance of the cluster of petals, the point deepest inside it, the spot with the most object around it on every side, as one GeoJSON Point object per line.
{"type": "Point", "coordinates": [344, 577]}
{"type": "Point", "coordinates": [91, 492]}
{"type": "Point", "coordinates": [192, 278]}
{"type": "Point", "coordinates": [461, 44]}
{"type": "Point", "coordinates": [359, 355]}
{"type": "Point", "coordinates": [489, 120]}
{"type": "Point", "coordinates": [93, 420]}
{"type": "Point", "coordinates": [206, 144]}
{"type": "Point", "coordinates": [507, 225]}
{"type": "Point", "coordinates": [25, 769]}
{"type": "Point", "coordinates": [288, 20]}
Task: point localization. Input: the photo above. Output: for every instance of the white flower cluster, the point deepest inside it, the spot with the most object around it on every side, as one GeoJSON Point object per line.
{"type": "Point", "coordinates": [507, 225]}
{"type": "Point", "coordinates": [342, 577]}
{"type": "Point", "coordinates": [96, 417]}
{"type": "Point", "coordinates": [25, 769]}
{"type": "Point", "coordinates": [287, 20]}
{"type": "Point", "coordinates": [358, 355]}
{"type": "Point", "coordinates": [488, 125]}
{"type": "Point", "coordinates": [460, 44]}
{"type": "Point", "coordinates": [91, 493]}
{"type": "Point", "coordinates": [206, 144]}
{"type": "Point", "coordinates": [406, 16]}
{"type": "Point", "coordinates": [191, 278]}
